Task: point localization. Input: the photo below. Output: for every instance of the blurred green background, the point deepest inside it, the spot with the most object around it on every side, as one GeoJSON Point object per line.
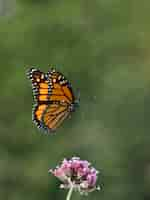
{"type": "Point", "coordinates": [103, 47]}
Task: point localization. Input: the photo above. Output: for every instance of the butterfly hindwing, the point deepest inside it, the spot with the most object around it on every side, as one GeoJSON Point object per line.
{"type": "Point", "coordinates": [37, 113]}
{"type": "Point", "coordinates": [54, 115]}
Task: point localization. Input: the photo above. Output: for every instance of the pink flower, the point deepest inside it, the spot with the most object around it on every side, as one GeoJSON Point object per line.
{"type": "Point", "coordinates": [78, 174]}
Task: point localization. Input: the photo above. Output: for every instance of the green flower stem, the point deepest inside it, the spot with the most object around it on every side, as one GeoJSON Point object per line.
{"type": "Point", "coordinates": [69, 193]}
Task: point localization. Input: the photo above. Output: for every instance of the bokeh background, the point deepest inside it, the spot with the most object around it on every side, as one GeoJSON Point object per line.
{"type": "Point", "coordinates": [102, 47]}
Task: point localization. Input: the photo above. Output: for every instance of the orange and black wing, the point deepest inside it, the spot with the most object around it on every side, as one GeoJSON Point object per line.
{"type": "Point", "coordinates": [41, 92]}
{"type": "Point", "coordinates": [61, 89]}
{"type": "Point", "coordinates": [54, 115]}
{"type": "Point", "coordinates": [40, 85]}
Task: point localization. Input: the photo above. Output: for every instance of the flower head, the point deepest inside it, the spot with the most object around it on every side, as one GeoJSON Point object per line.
{"type": "Point", "coordinates": [78, 174]}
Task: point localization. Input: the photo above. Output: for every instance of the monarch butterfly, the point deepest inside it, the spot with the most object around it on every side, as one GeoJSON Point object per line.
{"type": "Point", "coordinates": [53, 96]}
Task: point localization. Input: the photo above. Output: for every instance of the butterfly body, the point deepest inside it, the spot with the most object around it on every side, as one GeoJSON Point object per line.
{"type": "Point", "coordinates": [53, 96]}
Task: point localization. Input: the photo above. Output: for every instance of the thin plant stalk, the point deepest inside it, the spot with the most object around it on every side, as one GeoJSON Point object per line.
{"type": "Point", "coordinates": [69, 193]}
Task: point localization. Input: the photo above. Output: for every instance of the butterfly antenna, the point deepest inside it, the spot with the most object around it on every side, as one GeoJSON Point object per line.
{"type": "Point", "coordinates": [78, 97]}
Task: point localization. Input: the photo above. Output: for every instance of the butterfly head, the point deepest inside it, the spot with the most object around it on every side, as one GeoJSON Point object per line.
{"type": "Point", "coordinates": [74, 105]}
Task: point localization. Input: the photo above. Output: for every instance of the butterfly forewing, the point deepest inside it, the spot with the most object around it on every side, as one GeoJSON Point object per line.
{"type": "Point", "coordinates": [61, 88]}
{"type": "Point", "coordinates": [40, 85]}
